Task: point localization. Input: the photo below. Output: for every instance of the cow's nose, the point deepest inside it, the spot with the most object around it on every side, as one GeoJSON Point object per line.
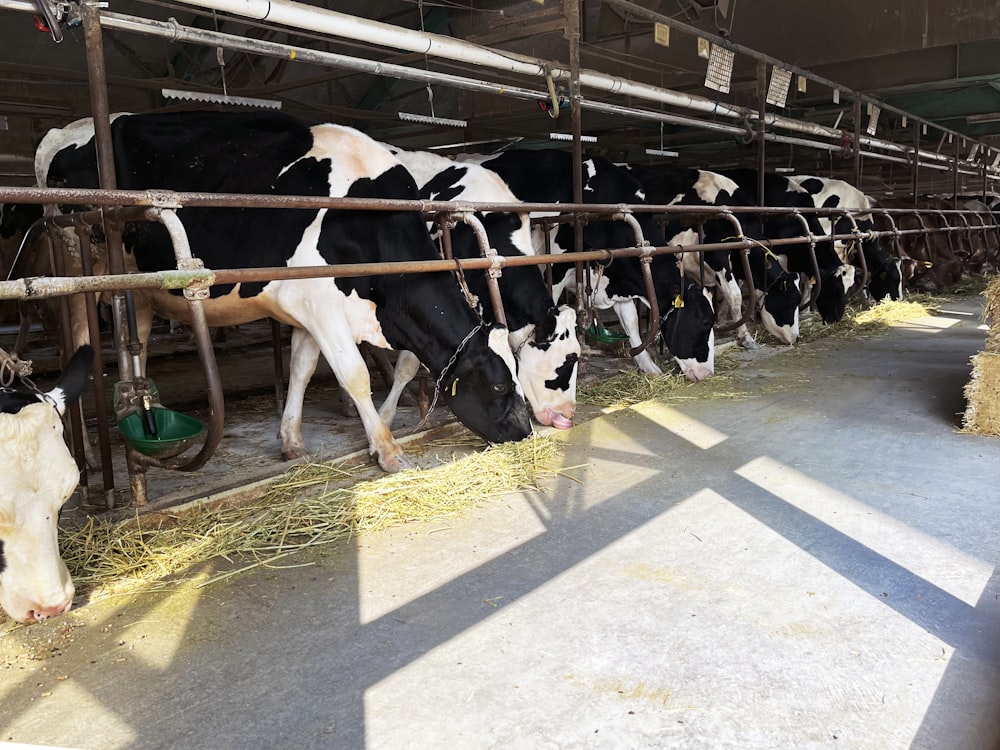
{"type": "Point", "coordinates": [44, 613]}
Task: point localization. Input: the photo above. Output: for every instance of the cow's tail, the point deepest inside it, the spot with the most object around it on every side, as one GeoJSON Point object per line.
{"type": "Point", "coordinates": [73, 380]}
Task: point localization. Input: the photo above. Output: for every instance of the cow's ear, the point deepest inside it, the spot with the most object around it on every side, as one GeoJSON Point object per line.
{"type": "Point", "coordinates": [547, 328]}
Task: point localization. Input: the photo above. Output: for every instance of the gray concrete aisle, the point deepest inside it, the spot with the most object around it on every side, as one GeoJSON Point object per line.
{"type": "Point", "coordinates": [811, 565]}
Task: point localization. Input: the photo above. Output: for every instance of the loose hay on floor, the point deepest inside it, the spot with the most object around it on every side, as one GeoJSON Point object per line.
{"type": "Point", "coordinates": [633, 387]}
{"type": "Point", "coordinates": [313, 504]}
{"type": "Point", "coordinates": [982, 392]}
{"type": "Point", "coordinates": [873, 320]}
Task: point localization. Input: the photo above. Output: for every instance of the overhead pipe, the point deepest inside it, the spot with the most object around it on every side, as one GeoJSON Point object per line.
{"type": "Point", "coordinates": [651, 15]}
{"type": "Point", "coordinates": [291, 13]}
{"type": "Point", "coordinates": [306, 17]}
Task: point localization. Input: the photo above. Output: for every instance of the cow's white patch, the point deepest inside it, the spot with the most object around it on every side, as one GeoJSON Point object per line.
{"type": "Point", "coordinates": [709, 185]}
{"type": "Point", "coordinates": [591, 169]}
{"type": "Point", "coordinates": [846, 275]}
{"type": "Point", "coordinates": [500, 346]}
{"type": "Point", "coordinates": [786, 334]}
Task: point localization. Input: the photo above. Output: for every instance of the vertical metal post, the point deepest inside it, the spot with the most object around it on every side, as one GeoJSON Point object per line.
{"type": "Point", "coordinates": [761, 111]}
{"type": "Point", "coordinates": [856, 171]}
{"type": "Point", "coordinates": [954, 174]}
{"type": "Point", "coordinates": [915, 189]}
{"type": "Point", "coordinates": [100, 397]}
{"type": "Point", "coordinates": [112, 230]}
{"type": "Point", "coordinates": [985, 179]}
{"type": "Point", "coordinates": [572, 14]}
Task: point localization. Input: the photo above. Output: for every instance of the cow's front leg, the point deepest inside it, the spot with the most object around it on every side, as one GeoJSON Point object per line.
{"type": "Point", "coordinates": [407, 366]}
{"type": "Point", "coordinates": [629, 317]}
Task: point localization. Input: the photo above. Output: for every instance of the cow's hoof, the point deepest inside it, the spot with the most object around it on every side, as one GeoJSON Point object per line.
{"type": "Point", "coordinates": [292, 453]}
{"type": "Point", "coordinates": [749, 344]}
{"type": "Point", "coordinates": [396, 464]}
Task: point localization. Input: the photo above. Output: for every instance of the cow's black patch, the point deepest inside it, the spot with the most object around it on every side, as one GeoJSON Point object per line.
{"type": "Point", "coordinates": [831, 202]}
{"type": "Point", "coordinates": [812, 185]}
{"type": "Point", "coordinates": [445, 185]}
{"type": "Point", "coordinates": [563, 374]}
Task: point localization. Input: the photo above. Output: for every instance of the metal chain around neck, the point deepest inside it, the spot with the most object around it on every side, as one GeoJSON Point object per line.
{"type": "Point", "coordinates": [437, 383]}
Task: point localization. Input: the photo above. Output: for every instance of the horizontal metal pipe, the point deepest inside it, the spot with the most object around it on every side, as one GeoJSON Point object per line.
{"type": "Point", "coordinates": [651, 15]}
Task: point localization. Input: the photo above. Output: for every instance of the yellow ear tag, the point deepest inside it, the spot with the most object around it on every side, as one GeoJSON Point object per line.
{"type": "Point", "coordinates": [454, 387]}
{"type": "Point", "coordinates": [678, 301]}
{"type": "Point", "coordinates": [928, 264]}
{"type": "Point", "coordinates": [812, 280]}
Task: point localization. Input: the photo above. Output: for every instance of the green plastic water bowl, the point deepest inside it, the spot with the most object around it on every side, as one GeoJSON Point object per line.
{"type": "Point", "coordinates": [605, 335]}
{"type": "Point", "coordinates": [174, 433]}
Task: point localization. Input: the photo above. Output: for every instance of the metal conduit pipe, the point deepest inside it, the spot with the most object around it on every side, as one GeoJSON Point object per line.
{"type": "Point", "coordinates": [199, 324]}
{"type": "Point", "coordinates": [650, 15]}
{"type": "Point", "coordinates": [333, 23]}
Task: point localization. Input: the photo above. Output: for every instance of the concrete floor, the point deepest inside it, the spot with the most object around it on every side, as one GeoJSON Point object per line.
{"type": "Point", "coordinates": [813, 565]}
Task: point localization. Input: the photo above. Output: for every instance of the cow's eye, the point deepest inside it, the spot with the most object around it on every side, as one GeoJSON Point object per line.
{"type": "Point", "coordinates": [501, 388]}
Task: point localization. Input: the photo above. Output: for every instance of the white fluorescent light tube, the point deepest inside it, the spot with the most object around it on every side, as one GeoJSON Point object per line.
{"type": "Point", "coordinates": [428, 120]}
{"type": "Point", "coordinates": [569, 137]}
{"type": "Point", "coordinates": [784, 169]}
{"type": "Point", "coordinates": [660, 152]}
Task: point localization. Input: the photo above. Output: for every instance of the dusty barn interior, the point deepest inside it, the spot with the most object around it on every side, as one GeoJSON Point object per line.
{"type": "Point", "coordinates": [788, 539]}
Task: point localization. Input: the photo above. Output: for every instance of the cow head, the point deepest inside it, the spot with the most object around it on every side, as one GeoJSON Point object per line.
{"type": "Point", "coordinates": [547, 356]}
{"type": "Point", "coordinates": [483, 391]}
{"type": "Point", "coordinates": [39, 476]}
{"type": "Point", "coordinates": [832, 300]}
{"type": "Point", "coordinates": [886, 277]}
{"type": "Point", "coordinates": [687, 330]}
{"type": "Point", "coordinates": [780, 304]}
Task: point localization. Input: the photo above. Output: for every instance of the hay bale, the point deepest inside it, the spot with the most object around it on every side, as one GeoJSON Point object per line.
{"type": "Point", "coordinates": [982, 415]}
{"type": "Point", "coordinates": [982, 393]}
{"type": "Point", "coordinates": [991, 314]}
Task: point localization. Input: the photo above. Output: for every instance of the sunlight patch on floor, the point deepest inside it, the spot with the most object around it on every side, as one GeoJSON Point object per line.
{"type": "Point", "coordinates": [961, 575]}
{"type": "Point", "coordinates": [697, 433]}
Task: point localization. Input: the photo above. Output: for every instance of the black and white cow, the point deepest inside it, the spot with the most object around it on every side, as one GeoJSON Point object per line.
{"type": "Point", "coordinates": [884, 279]}
{"type": "Point", "coordinates": [542, 336]}
{"type": "Point", "coordinates": [687, 316]}
{"type": "Point", "coordinates": [836, 277]}
{"type": "Point", "coordinates": [777, 290]}
{"type": "Point", "coordinates": [39, 476]}
{"type": "Point", "coordinates": [271, 153]}
{"type": "Point", "coordinates": [668, 184]}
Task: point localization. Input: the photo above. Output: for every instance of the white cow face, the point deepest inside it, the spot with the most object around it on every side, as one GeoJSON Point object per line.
{"type": "Point", "coordinates": [39, 475]}
{"type": "Point", "coordinates": [547, 358]}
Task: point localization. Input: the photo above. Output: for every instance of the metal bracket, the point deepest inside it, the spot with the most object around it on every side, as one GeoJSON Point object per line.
{"type": "Point", "coordinates": [198, 289]}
